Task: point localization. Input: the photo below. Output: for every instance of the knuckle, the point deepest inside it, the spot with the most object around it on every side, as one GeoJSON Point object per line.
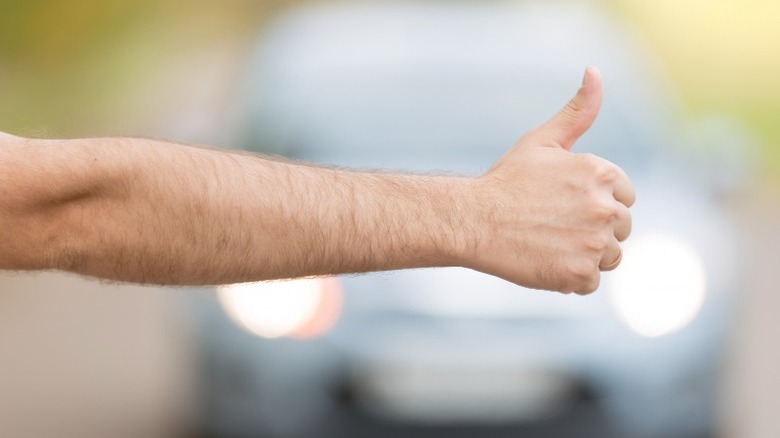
{"type": "Point", "coordinates": [605, 211]}
{"type": "Point", "coordinates": [596, 242]}
{"type": "Point", "coordinates": [584, 276]}
{"type": "Point", "coordinates": [591, 286]}
{"type": "Point", "coordinates": [589, 160]}
{"type": "Point", "coordinates": [606, 173]}
{"type": "Point", "coordinates": [601, 170]}
{"type": "Point", "coordinates": [581, 270]}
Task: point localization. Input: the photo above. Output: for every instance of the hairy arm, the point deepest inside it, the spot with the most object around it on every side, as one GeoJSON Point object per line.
{"type": "Point", "coordinates": [153, 212]}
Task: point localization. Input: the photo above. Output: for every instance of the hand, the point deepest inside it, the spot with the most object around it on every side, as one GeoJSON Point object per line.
{"type": "Point", "coordinates": [549, 218]}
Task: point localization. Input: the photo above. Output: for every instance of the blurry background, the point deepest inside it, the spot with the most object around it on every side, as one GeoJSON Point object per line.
{"type": "Point", "coordinates": [84, 359]}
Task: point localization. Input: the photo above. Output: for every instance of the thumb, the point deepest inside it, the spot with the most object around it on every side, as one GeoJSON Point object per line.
{"type": "Point", "coordinates": [578, 115]}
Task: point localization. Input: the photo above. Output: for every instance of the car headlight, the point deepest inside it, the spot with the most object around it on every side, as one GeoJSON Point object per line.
{"type": "Point", "coordinates": [660, 285]}
{"type": "Point", "coordinates": [301, 308]}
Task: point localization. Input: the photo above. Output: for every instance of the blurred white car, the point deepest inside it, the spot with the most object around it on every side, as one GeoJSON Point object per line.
{"type": "Point", "coordinates": [449, 87]}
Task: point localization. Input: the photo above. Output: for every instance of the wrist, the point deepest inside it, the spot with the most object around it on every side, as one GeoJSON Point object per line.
{"type": "Point", "coordinates": [480, 222]}
{"type": "Point", "coordinates": [461, 222]}
{"type": "Point", "coordinates": [411, 221]}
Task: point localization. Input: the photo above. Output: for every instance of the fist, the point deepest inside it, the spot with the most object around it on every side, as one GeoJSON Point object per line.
{"type": "Point", "coordinates": [548, 218]}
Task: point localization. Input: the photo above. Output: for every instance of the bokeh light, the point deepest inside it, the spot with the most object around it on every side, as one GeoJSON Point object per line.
{"type": "Point", "coordinates": [660, 285]}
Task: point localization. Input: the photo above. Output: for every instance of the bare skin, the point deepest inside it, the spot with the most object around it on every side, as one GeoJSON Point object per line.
{"type": "Point", "coordinates": [147, 211]}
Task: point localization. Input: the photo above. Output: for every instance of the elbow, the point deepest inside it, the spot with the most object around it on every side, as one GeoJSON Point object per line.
{"type": "Point", "coordinates": [48, 193]}
{"type": "Point", "coordinates": [41, 239]}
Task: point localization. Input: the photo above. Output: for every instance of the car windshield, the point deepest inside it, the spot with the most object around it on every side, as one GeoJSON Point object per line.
{"type": "Point", "coordinates": [452, 101]}
{"type": "Point", "coordinates": [438, 130]}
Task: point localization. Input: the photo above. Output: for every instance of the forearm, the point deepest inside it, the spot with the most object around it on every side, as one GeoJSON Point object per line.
{"type": "Point", "coordinates": [152, 212]}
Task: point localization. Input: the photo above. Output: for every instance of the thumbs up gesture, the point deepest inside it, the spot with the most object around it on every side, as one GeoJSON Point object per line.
{"type": "Point", "coordinates": [550, 218]}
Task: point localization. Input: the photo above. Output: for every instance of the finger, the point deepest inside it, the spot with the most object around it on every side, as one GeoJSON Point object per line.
{"type": "Point", "coordinates": [612, 256]}
{"type": "Point", "coordinates": [578, 115]}
{"type": "Point", "coordinates": [622, 223]}
{"type": "Point", "coordinates": [624, 191]}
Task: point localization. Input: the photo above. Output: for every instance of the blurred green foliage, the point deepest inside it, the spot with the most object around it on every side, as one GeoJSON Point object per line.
{"type": "Point", "coordinates": [723, 56]}
{"type": "Point", "coordinates": [47, 34]}
{"type": "Point", "coordinates": [66, 65]}
{"type": "Point", "coordinates": [54, 57]}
